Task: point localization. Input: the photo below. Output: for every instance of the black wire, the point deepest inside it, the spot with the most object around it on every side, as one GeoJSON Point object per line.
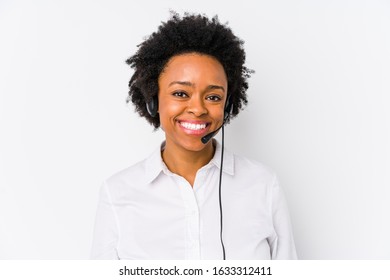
{"type": "Point", "coordinates": [220, 200]}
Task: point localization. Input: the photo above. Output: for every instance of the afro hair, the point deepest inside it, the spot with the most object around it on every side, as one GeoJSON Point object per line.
{"type": "Point", "coordinates": [188, 34]}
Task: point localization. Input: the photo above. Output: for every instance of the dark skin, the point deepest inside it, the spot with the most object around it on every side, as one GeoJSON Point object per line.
{"type": "Point", "coordinates": [192, 96]}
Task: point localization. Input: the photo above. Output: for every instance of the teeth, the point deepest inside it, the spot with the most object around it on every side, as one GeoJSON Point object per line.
{"type": "Point", "coordinates": [193, 126]}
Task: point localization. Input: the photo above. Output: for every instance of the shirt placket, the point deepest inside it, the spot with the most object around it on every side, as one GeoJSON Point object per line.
{"type": "Point", "coordinates": [192, 220]}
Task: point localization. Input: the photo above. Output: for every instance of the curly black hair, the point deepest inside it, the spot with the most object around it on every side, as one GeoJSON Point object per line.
{"type": "Point", "coordinates": [188, 34]}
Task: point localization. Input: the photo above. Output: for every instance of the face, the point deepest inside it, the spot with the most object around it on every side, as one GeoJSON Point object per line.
{"type": "Point", "coordinates": [192, 95]}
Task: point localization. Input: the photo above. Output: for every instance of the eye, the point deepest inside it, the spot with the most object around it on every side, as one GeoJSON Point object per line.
{"type": "Point", "coordinates": [181, 94]}
{"type": "Point", "coordinates": [214, 98]}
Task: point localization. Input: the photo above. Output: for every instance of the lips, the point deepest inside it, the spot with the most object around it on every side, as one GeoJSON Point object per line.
{"type": "Point", "coordinates": [194, 127]}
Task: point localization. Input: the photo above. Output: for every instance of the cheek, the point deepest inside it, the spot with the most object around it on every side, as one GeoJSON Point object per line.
{"type": "Point", "coordinates": [217, 113]}
{"type": "Point", "coordinates": [167, 113]}
{"type": "Point", "coordinates": [169, 110]}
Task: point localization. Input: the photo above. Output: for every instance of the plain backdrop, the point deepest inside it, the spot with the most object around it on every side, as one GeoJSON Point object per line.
{"type": "Point", "coordinates": [318, 114]}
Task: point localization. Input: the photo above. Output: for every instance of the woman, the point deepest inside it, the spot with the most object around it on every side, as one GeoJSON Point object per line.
{"type": "Point", "coordinates": [191, 199]}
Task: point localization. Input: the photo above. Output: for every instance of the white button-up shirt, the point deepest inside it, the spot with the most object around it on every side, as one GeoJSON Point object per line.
{"type": "Point", "coordinates": [148, 212]}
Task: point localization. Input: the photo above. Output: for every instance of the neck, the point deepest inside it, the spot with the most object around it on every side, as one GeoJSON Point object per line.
{"type": "Point", "coordinates": [186, 162]}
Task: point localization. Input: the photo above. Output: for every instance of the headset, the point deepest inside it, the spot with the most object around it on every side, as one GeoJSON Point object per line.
{"type": "Point", "coordinates": [152, 108]}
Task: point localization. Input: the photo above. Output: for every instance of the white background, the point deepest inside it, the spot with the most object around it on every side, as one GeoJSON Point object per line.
{"type": "Point", "coordinates": [318, 115]}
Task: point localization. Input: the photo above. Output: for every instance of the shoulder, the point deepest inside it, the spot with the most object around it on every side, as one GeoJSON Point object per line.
{"type": "Point", "coordinates": [131, 176]}
{"type": "Point", "coordinates": [253, 170]}
{"type": "Point", "coordinates": [136, 177]}
{"type": "Point", "coordinates": [139, 174]}
{"type": "Point", "coordinates": [246, 162]}
{"type": "Point", "coordinates": [252, 180]}
{"type": "Point", "coordinates": [132, 173]}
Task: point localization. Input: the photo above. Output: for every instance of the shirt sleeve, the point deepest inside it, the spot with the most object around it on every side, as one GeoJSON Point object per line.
{"type": "Point", "coordinates": [106, 233]}
{"type": "Point", "coordinates": [283, 246]}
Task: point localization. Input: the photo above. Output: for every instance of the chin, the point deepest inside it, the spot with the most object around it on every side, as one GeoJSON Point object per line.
{"type": "Point", "coordinates": [194, 146]}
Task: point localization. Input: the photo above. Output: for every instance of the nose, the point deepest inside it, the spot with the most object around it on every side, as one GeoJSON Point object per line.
{"type": "Point", "coordinates": [196, 106]}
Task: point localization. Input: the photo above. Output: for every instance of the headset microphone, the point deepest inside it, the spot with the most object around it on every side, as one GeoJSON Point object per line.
{"type": "Point", "coordinates": [207, 137]}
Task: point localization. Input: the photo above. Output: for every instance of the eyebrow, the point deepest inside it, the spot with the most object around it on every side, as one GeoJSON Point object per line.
{"type": "Point", "coordinates": [185, 83]}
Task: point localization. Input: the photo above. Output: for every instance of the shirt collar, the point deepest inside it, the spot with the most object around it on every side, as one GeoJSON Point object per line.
{"type": "Point", "coordinates": [155, 165]}
{"type": "Point", "coordinates": [228, 159]}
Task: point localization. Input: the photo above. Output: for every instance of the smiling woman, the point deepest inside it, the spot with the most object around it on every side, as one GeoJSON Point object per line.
{"type": "Point", "coordinates": [190, 80]}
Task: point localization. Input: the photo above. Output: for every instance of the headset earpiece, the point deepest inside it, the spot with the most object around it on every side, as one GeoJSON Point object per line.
{"type": "Point", "coordinates": [228, 107]}
{"type": "Point", "coordinates": [152, 106]}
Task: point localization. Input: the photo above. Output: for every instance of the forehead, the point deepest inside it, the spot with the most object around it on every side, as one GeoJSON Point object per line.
{"type": "Point", "coordinates": [193, 66]}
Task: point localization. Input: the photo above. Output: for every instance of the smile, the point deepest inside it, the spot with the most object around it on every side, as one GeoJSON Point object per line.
{"type": "Point", "coordinates": [194, 127]}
